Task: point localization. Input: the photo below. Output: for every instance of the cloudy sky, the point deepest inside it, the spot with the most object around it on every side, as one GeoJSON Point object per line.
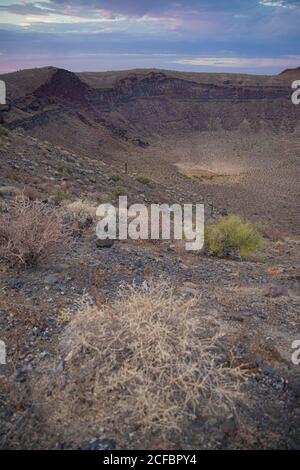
{"type": "Point", "coordinates": [251, 36]}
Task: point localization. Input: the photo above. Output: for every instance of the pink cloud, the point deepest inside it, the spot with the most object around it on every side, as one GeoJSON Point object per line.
{"type": "Point", "coordinates": [192, 22]}
{"type": "Point", "coordinates": [174, 27]}
{"type": "Point", "coordinates": [104, 13]}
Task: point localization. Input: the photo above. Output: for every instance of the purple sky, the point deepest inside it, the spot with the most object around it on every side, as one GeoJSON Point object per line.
{"type": "Point", "coordinates": [251, 36]}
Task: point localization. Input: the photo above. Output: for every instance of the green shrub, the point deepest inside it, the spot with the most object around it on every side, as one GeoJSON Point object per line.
{"type": "Point", "coordinates": [231, 236]}
{"type": "Point", "coordinates": [4, 132]}
{"type": "Point", "coordinates": [118, 191]}
{"type": "Point", "coordinates": [104, 199]}
{"type": "Point", "coordinates": [115, 177]}
{"type": "Point", "coordinates": [64, 169]}
{"type": "Point", "coordinates": [60, 196]}
{"type": "Point", "coordinates": [143, 179]}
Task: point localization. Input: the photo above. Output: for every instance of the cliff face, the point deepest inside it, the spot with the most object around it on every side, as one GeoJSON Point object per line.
{"type": "Point", "coordinates": [139, 105]}
{"type": "Point", "coordinates": [64, 85]}
{"type": "Point", "coordinates": [157, 103]}
{"type": "Point", "coordinates": [155, 85]}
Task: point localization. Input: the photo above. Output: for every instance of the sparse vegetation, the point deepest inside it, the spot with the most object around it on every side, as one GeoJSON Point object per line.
{"type": "Point", "coordinates": [60, 196]}
{"type": "Point", "coordinates": [30, 193]}
{"type": "Point", "coordinates": [78, 214]}
{"type": "Point", "coordinates": [64, 169]}
{"type": "Point", "coordinates": [4, 132]}
{"type": "Point", "coordinates": [231, 236]}
{"type": "Point", "coordinates": [104, 198]}
{"type": "Point", "coordinates": [149, 360]}
{"type": "Point", "coordinates": [30, 231]}
{"type": "Point", "coordinates": [82, 207]}
{"type": "Point", "coordinates": [143, 179]}
{"type": "Point", "coordinates": [10, 174]}
{"type": "Point", "coordinates": [115, 177]}
{"type": "Point", "coordinates": [118, 191]}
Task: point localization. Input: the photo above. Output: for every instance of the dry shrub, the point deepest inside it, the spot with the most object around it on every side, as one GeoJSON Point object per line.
{"type": "Point", "coordinates": [81, 207]}
{"type": "Point", "coordinates": [9, 173]}
{"type": "Point", "coordinates": [80, 214]}
{"type": "Point", "coordinates": [31, 193]}
{"type": "Point", "coordinates": [148, 361]}
{"type": "Point", "coordinates": [30, 231]}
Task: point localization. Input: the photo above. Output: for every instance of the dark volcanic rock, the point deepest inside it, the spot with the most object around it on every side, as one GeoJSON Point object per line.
{"type": "Point", "coordinates": [99, 444]}
{"type": "Point", "coordinates": [108, 243]}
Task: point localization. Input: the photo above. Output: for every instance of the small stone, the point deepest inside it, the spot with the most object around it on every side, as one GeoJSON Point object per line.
{"type": "Point", "coordinates": [16, 284]}
{"type": "Point", "coordinates": [294, 385]}
{"type": "Point", "coordinates": [85, 222]}
{"type": "Point", "coordinates": [229, 425]}
{"type": "Point", "coordinates": [43, 354]}
{"type": "Point", "coordinates": [188, 292]}
{"type": "Point", "coordinates": [107, 243]}
{"type": "Point", "coordinates": [171, 247]}
{"type": "Point", "coordinates": [297, 412]}
{"type": "Point", "coordinates": [189, 289]}
{"type": "Point", "coordinates": [51, 280]}
{"type": "Point", "coordinates": [268, 370]}
{"type": "Point", "coordinates": [198, 423]}
{"type": "Point", "coordinates": [99, 444]}
{"type": "Point", "coordinates": [219, 436]}
{"type": "Point", "coordinates": [294, 290]}
{"type": "Point", "coordinates": [276, 290]}
{"type": "Point", "coordinates": [237, 317]}
{"type": "Point", "coordinates": [138, 281]}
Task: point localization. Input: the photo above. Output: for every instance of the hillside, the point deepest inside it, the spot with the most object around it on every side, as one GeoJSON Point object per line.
{"type": "Point", "coordinates": [243, 129]}
{"type": "Point", "coordinates": [291, 74]}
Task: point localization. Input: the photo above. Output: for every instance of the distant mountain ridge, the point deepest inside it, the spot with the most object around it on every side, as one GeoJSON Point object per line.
{"type": "Point", "coordinates": [107, 110]}
{"type": "Point", "coordinates": [295, 73]}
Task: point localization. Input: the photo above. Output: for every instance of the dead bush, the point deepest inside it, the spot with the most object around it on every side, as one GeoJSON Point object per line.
{"type": "Point", "coordinates": [80, 214]}
{"type": "Point", "coordinates": [81, 207]}
{"type": "Point", "coordinates": [31, 193]}
{"type": "Point", "coordinates": [30, 231]}
{"type": "Point", "coordinates": [149, 361]}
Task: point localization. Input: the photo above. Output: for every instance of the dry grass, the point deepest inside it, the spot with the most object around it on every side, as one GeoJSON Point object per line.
{"type": "Point", "coordinates": [30, 231]}
{"type": "Point", "coordinates": [149, 361]}
{"type": "Point", "coordinates": [31, 193]}
{"type": "Point", "coordinates": [81, 207]}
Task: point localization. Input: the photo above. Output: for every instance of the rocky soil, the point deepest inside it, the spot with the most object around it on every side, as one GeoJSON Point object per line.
{"type": "Point", "coordinates": [256, 301]}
